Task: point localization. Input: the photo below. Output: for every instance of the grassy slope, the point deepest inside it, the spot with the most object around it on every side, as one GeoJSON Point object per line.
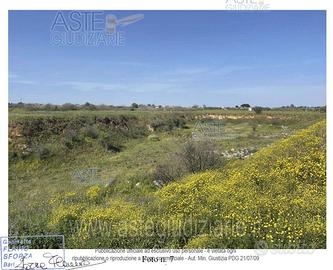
{"type": "Point", "coordinates": [33, 182]}
{"type": "Point", "coordinates": [275, 199]}
{"type": "Point", "coordinates": [277, 196]}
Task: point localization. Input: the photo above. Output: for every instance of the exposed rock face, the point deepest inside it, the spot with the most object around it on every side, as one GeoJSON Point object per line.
{"type": "Point", "coordinates": [235, 117]}
{"type": "Point", "coordinates": [239, 153]}
{"type": "Point", "coordinates": [150, 128]}
{"type": "Point", "coordinates": [222, 117]}
{"type": "Point", "coordinates": [159, 183]}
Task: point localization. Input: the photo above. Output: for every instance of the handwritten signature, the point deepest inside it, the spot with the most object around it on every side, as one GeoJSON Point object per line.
{"type": "Point", "coordinates": [55, 261]}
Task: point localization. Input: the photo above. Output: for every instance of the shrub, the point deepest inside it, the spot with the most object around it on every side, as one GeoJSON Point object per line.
{"type": "Point", "coordinates": [91, 132]}
{"type": "Point", "coordinates": [71, 138]}
{"type": "Point", "coordinates": [178, 120]}
{"type": "Point", "coordinates": [258, 110]}
{"type": "Point", "coordinates": [111, 143]}
{"type": "Point", "coordinates": [168, 122]}
{"type": "Point", "coordinates": [199, 156]}
{"type": "Point", "coordinates": [94, 193]}
{"type": "Point", "coordinates": [68, 143]}
{"type": "Point", "coordinates": [113, 224]}
{"type": "Point", "coordinates": [116, 225]}
{"type": "Point", "coordinates": [65, 217]}
{"type": "Point", "coordinates": [159, 124]}
{"type": "Point", "coordinates": [195, 156]}
{"type": "Point", "coordinates": [44, 152]}
{"type": "Point", "coordinates": [168, 172]}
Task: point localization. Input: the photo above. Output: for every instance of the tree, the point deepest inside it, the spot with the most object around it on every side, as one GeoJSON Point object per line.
{"type": "Point", "coordinates": [68, 106]}
{"type": "Point", "coordinates": [257, 109]}
{"type": "Point", "coordinates": [135, 105]}
{"type": "Point", "coordinates": [245, 105]}
{"type": "Point", "coordinates": [89, 106]}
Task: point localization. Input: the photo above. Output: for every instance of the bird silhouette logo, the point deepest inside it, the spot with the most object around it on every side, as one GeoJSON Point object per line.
{"type": "Point", "coordinates": [111, 21]}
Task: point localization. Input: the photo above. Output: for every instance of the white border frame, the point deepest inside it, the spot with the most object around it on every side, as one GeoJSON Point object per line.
{"type": "Point", "coordinates": [317, 259]}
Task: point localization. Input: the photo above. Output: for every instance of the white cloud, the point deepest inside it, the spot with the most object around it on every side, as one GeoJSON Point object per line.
{"type": "Point", "coordinates": [139, 87]}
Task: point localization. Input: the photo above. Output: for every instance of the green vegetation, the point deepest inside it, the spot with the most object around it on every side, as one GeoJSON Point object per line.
{"type": "Point", "coordinates": [145, 178]}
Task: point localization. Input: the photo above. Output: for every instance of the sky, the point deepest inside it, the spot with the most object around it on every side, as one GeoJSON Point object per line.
{"type": "Point", "coordinates": [212, 58]}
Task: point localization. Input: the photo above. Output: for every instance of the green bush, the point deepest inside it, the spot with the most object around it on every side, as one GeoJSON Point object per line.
{"type": "Point", "coordinates": [199, 156]}
{"type": "Point", "coordinates": [258, 110]}
{"type": "Point", "coordinates": [111, 143]}
{"type": "Point", "coordinates": [91, 132]}
{"type": "Point", "coordinates": [168, 172]}
{"type": "Point", "coordinates": [44, 152]}
{"type": "Point", "coordinates": [168, 122]}
{"type": "Point", "coordinates": [71, 138]}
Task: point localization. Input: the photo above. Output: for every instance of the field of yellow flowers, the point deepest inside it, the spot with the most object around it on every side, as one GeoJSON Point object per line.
{"type": "Point", "coordinates": [274, 199]}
